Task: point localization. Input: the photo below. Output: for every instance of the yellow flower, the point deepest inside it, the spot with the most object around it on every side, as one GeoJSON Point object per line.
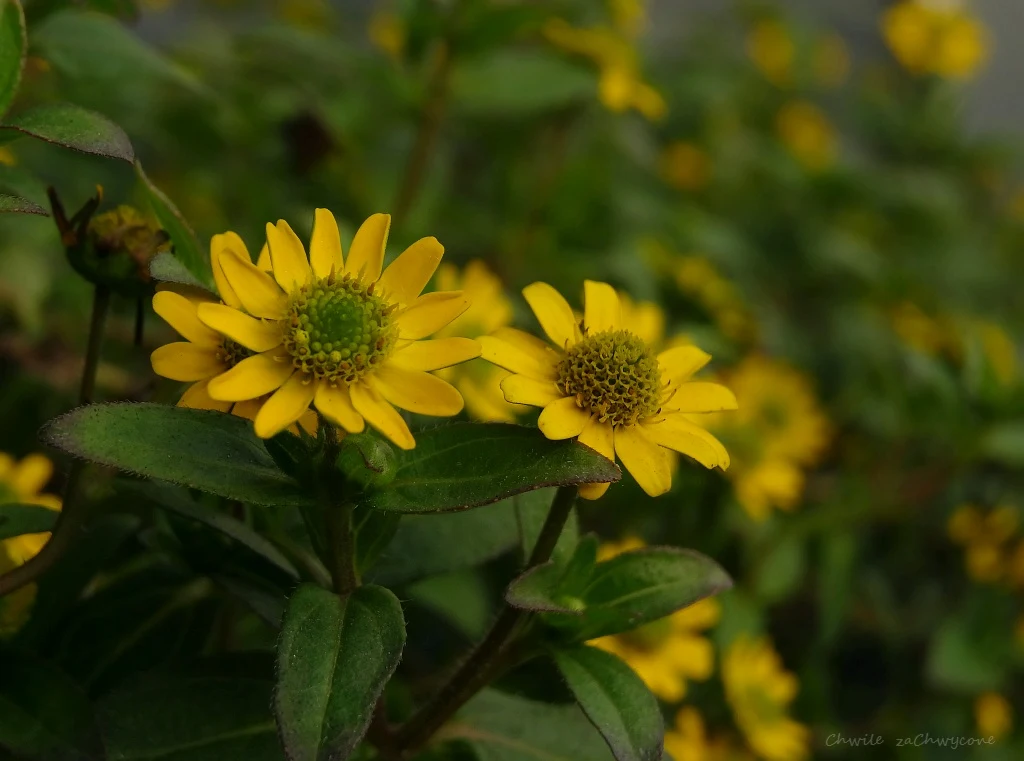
{"type": "Point", "coordinates": [698, 278]}
{"type": "Point", "coordinates": [993, 715]}
{"type": "Point", "coordinates": [667, 652]}
{"type": "Point", "coordinates": [773, 52]}
{"type": "Point", "coordinates": [341, 333]}
{"type": "Point", "coordinates": [999, 349]}
{"type": "Point", "coordinates": [759, 690]}
{"type": "Point", "coordinates": [7, 157]}
{"type": "Point", "coordinates": [808, 134]}
{"type": "Point", "coordinates": [919, 330]}
{"type": "Point", "coordinates": [387, 31]}
{"type": "Point", "coordinates": [985, 539]}
{"type": "Point", "coordinates": [21, 483]}
{"type": "Point", "coordinates": [778, 431]}
{"type": "Point", "coordinates": [685, 166]}
{"type": "Point", "coordinates": [489, 309]}
{"type": "Point", "coordinates": [927, 38]}
{"type": "Point", "coordinates": [687, 740]}
{"type": "Point", "coordinates": [604, 383]}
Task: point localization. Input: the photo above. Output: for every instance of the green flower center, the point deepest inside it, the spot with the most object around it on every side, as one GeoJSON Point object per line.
{"type": "Point", "coordinates": [613, 374]}
{"type": "Point", "coordinates": [649, 636]}
{"type": "Point", "coordinates": [231, 353]}
{"type": "Point", "coordinates": [338, 329]}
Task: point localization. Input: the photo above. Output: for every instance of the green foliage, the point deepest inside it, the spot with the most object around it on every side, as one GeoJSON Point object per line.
{"type": "Point", "coordinates": [186, 247]}
{"type": "Point", "coordinates": [13, 44]}
{"type": "Point", "coordinates": [16, 520]}
{"type": "Point", "coordinates": [18, 205]}
{"type": "Point", "coordinates": [516, 84]}
{"type": "Point", "coordinates": [72, 127]}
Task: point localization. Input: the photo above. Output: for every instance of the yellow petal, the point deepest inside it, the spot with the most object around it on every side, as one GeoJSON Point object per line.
{"type": "Point", "coordinates": [335, 403]}
{"type": "Point", "coordinates": [406, 277]}
{"type": "Point", "coordinates": [247, 409]}
{"type": "Point", "coordinates": [417, 391]}
{"type": "Point", "coordinates": [593, 491]}
{"type": "Point", "coordinates": [182, 361]}
{"type": "Point", "coordinates": [180, 314]}
{"type": "Point", "coordinates": [325, 245]}
{"type": "Point", "coordinates": [649, 464]}
{"type": "Point", "coordinates": [251, 378]}
{"type": "Point", "coordinates": [366, 255]}
{"type": "Point", "coordinates": [256, 289]}
{"type": "Point", "coordinates": [701, 397]}
{"type": "Point", "coordinates": [286, 405]}
{"type": "Point", "coordinates": [553, 313]}
{"type": "Point", "coordinates": [263, 262]}
{"type": "Point", "coordinates": [681, 362]}
{"type": "Point", "coordinates": [197, 397]}
{"type": "Point", "coordinates": [679, 434]}
{"type": "Point", "coordinates": [522, 389]}
{"type": "Point", "coordinates": [601, 308]}
{"type": "Point", "coordinates": [600, 437]}
{"type": "Point", "coordinates": [218, 245]}
{"type": "Point", "coordinates": [253, 334]}
{"type": "Point", "coordinates": [30, 475]}
{"type": "Point", "coordinates": [436, 354]}
{"type": "Point", "coordinates": [291, 268]}
{"type": "Point", "coordinates": [431, 312]}
{"type": "Point", "coordinates": [381, 415]}
{"type": "Point", "coordinates": [520, 353]}
{"type": "Point", "coordinates": [562, 419]}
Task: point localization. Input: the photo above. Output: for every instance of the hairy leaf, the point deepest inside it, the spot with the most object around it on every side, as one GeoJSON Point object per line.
{"type": "Point", "coordinates": [18, 205]}
{"type": "Point", "coordinates": [73, 127]}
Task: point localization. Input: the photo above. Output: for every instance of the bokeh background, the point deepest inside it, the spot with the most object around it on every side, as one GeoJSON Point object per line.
{"type": "Point", "coordinates": [823, 195]}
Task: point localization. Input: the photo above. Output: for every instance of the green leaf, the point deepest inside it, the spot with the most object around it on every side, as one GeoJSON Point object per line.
{"type": "Point", "coordinates": [334, 658]}
{"type": "Point", "coordinates": [165, 267]}
{"type": "Point", "coordinates": [18, 205]}
{"type": "Point", "coordinates": [615, 700]}
{"type": "Point", "coordinates": [781, 570]}
{"type": "Point", "coordinates": [191, 718]}
{"type": "Point", "coordinates": [632, 589]}
{"type": "Point", "coordinates": [43, 713]}
{"type": "Point", "coordinates": [464, 465]}
{"type": "Point", "coordinates": [72, 127]}
{"type": "Point", "coordinates": [556, 588]}
{"type": "Point", "coordinates": [16, 520]}
{"type": "Point", "coordinates": [501, 727]}
{"type": "Point", "coordinates": [531, 510]}
{"type": "Point", "coordinates": [1005, 443]}
{"type": "Point", "coordinates": [201, 449]}
{"type": "Point", "coordinates": [13, 46]}
{"type": "Point", "coordinates": [520, 83]}
{"type": "Point", "coordinates": [186, 245]}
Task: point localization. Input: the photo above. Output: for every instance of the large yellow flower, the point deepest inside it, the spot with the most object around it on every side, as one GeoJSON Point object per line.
{"type": "Point", "coordinates": [337, 332]}
{"type": "Point", "coordinates": [759, 690]}
{"type": "Point", "coordinates": [932, 38]}
{"type": "Point", "coordinates": [604, 383]}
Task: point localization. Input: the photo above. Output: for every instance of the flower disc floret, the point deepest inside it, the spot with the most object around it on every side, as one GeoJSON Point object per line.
{"type": "Point", "coordinates": [232, 352]}
{"type": "Point", "coordinates": [338, 329]}
{"type": "Point", "coordinates": [615, 375]}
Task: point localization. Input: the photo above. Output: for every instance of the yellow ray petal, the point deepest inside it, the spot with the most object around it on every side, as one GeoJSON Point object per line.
{"type": "Point", "coordinates": [520, 353]}
{"type": "Point", "coordinates": [285, 406]}
{"type": "Point", "coordinates": [600, 437]}
{"type": "Point", "coordinates": [601, 308]}
{"type": "Point", "coordinates": [553, 313]}
{"type": "Point", "coordinates": [335, 403]}
{"type": "Point", "coordinates": [256, 289]}
{"type": "Point", "coordinates": [182, 361]}
{"type": "Point", "coordinates": [263, 262]}
{"type": "Point", "coordinates": [251, 378]}
{"type": "Point", "coordinates": [197, 397]}
{"type": "Point", "coordinates": [650, 464]}
{"type": "Point", "coordinates": [417, 391]}
{"type": "Point", "coordinates": [366, 254]}
{"type": "Point", "coordinates": [681, 362]}
{"type": "Point", "coordinates": [436, 353]}
{"type": "Point", "coordinates": [701, 397]}
{"type": "Point", "coordinates": [677, 433]}
{"type": "Point", "coordinates": [407, 275]}
{"type": "Point", "coordinates": [562, 419]}
{"type": "Point", "coordinates": [381, 415]}
{"type": "Point", "coordinates": [325, 245]}
{"type": "Point", "coordinates": [522, 389]}
{"type": "Point", "coordinates": [247, 409]}
{"type": "Point", "coordinates": [253, 334]}
{"type": "Point", "coordinates": [593, 491]}
{"type": "Point", "coordinates": [180, 314]}
{"type": "Point", "coordinates": [291, 268]}
{"type": "Point", "coordinates": [30, 475]}
{"type": "Point", "coordinates": [218, 245]}
{"type": "Point", "coordinates": [430, 312]}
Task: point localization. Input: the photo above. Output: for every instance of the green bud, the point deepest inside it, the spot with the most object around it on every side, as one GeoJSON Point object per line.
{"type": "Point", "coordinates": [366, 461]}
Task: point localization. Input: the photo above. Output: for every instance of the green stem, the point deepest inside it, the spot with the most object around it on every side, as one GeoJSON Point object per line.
{"type": "Point", "coordinates": [494, 653]}
{"type": "Point", "coordinates": [343, 547]}
{"type": "Point", "coordinates": [100, 307]}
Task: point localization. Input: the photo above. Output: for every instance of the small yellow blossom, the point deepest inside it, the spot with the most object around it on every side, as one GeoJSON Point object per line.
{"type": "Point", "coordinates": [993, 715]}
{"type": "Point", "coordinates": [685, 166]}
{"type": "Point", "coordinates": [687, 740]}
{"type": "Point", "coordinates": [988, 557]}
{"type": "Point", "coordinates": [602, 382]}
{"type": "Point", "coordinates": [808, 134]}
{"type": "Point", "coordinates": [932, 38]}
{"type": "Point", "coordinates": [772, 50]}
{"type": "Point", "coordinates": [387, 31]}
{"type": "Point", "coordinates": [760, 690]}
{"type": "Point", "coordinates": [999, 349]}
{"type": "Point", "coordinates": [698, 278]}
{"type": "Point", "coordinates": [921, 331]}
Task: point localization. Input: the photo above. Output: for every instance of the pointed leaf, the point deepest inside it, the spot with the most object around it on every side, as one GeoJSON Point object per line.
{"type": "Point", "coordinates": [186, 246]}
{"type": "Point", "coordinates": [209, 451]}
{"type": "Point", "coordinates": [556, 588]}
{"type": "Point", "coordinates": [333, 659]}
{"type": "Point", "coordinates": [464, 465]}
{"type": "Point", "coordinates": [16, 520]}
{"type": "Point", "coordinates": [18, 205]}
{"type": "Point", "coordinates": [615, 700]}
{"type": "Point", "coordinates": [72, 127]}
{"type": "Point", "coordinates": [165, 267]}
{"type": "Point", "coordinates": [13, 45]}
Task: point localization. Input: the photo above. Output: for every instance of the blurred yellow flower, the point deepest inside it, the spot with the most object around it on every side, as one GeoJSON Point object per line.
{"type": "Point", "coordinates": [22, 482]}
{"type": "Point", "coordinates": [387, 31]}
{"type": "Point", "coordinates": [604, 383]}
{"type": "Point", "coordinates": [772, 50]}
{"type": "Point", "coordinates": [778, 431]}
{"type": "Point", "coordinates": [919, 330]}
{"type": "Point", "coordinates": [667, 652]}
{"type": "Point", "coordinates": [933, 38]}
{"type": "Point", "coordinates": [685, 166]}
{"type": "Point", "coordinates": [988, 557]}
{"type": "Point", "coordinates": [478, 381]}
{"type": "Point", "coordinates": [808, 134]}
{"type": "Point", "coordinates": [999, 349]}
{"type": "Point", "coordinates": [760, 690]}
{"type": "Point", "coordinates": [687, 740]}
{"type": "Point", "coordinates": [831, 60]}
{"type": "Point", "coordinates": [7, 157]}
{"type": "Point", "coordinates": [993, 715]}
{"type": "Point", "coordinates": [698, 278]}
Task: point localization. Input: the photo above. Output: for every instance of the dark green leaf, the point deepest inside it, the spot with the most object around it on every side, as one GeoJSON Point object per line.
{"type": "Point", "coordinates": [1005, 443]}
{"type": "Point", "coordinates": [186, 246]}
{"type": "Point", "coordinates": [13, 44]}
{"type": "Point", "coordinates": [16, 520]}
{"type": "Point", "coordinates": [464, 465]}
{"type": "Point", "coordinates": [204, 450]}
{"type": "Point", "coordinates": [515, 83]}
{"type": "Point", "coordinates": [501, 727]}
{"type": "Point", "coordinates": [333, 659]}
{"type": "Point", "coordinates": [72, 127]}
{"type": "Point", "coordinates": [191, 718]}
{"type": "Point", "coordinates": [17, 205]}
{"type": "Point", "coordinates": [556, 588]}
{"type": "Point", "coordinates": [165, 267]}
{"type": "Point", "coordinates": [262, 599]}
{"type": "Point", "coordinates": [615, 700]}
{"type": "Point", "coordinates": [374, 532]}
{"type": "Point", "coordinates": [531, 510]}
{"type": "Point", "coordinates": [43, 713]}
